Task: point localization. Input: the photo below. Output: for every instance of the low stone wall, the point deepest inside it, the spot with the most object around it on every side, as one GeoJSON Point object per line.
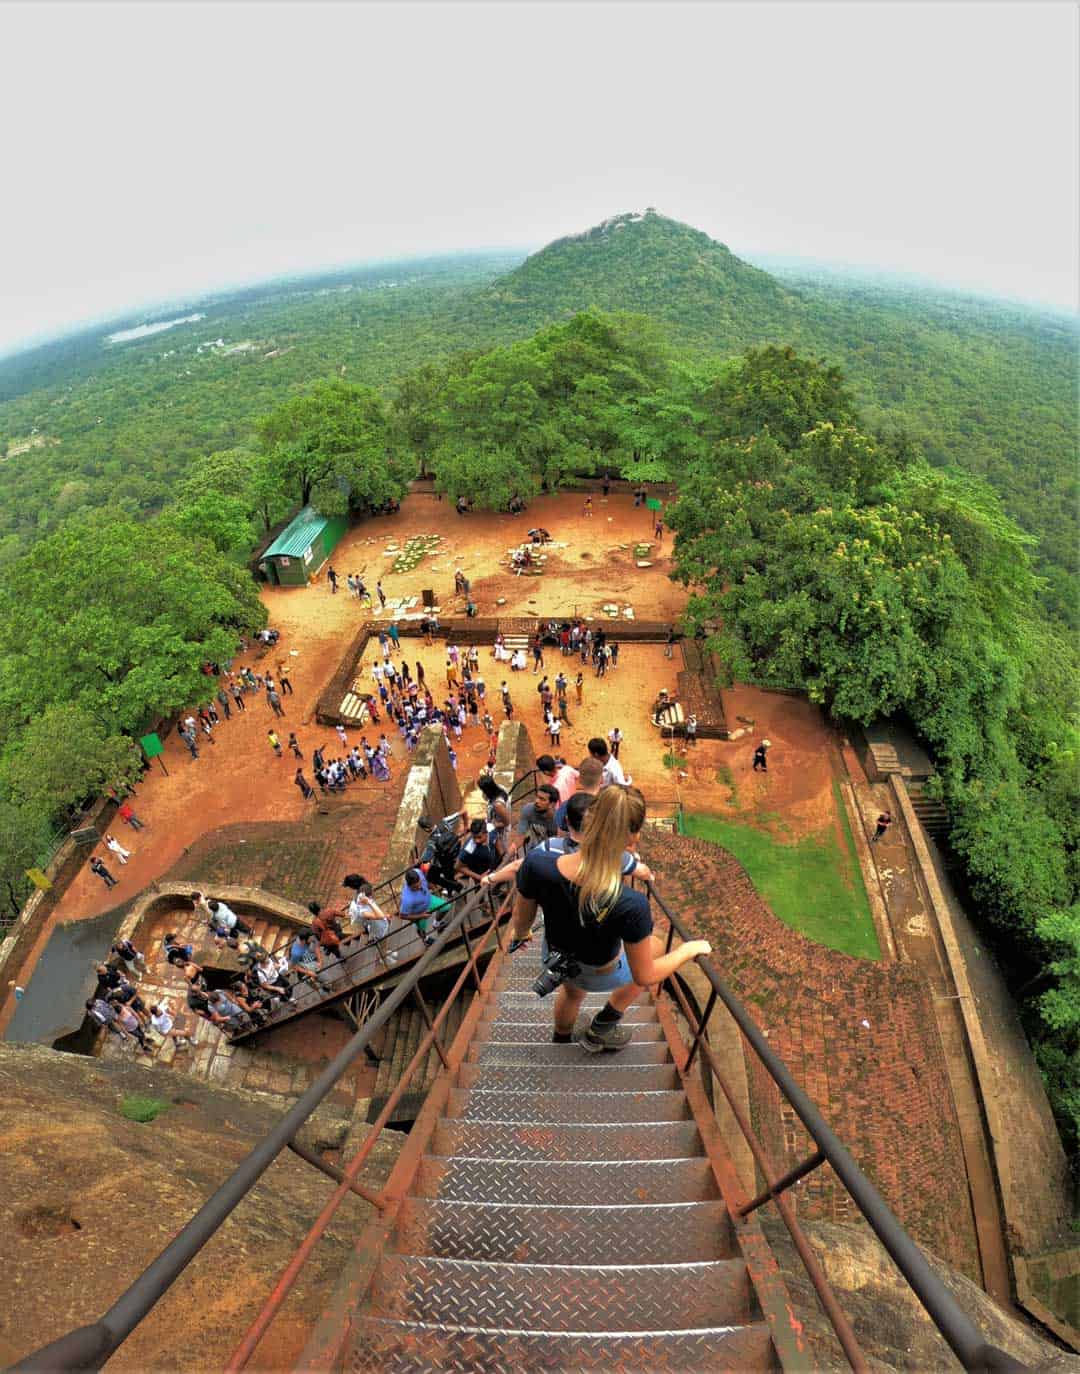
{"type": "Point", "coordinates": [431, 790]}
{"type": "Point", "coordinates": [61, 870]}
{"type": "Point", "coordinates": [1028, 1159]}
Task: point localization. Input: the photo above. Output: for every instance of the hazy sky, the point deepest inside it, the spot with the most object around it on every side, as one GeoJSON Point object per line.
{"type": "Point", "coordinates": [154, 149]}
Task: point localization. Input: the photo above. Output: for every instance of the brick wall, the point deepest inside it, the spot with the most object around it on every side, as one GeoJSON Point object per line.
{"type": "Point", "coordinates": [883, 1086]}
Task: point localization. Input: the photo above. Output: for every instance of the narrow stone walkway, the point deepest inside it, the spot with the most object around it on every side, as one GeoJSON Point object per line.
{"type": "Point", "coordinates": [919, 943]}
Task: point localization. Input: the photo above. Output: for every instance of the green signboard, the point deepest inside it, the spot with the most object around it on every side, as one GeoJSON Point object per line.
{"type": "Point", "coordinates": [152, 746]}
{"type": "Point", "coordinates": [654, 503]}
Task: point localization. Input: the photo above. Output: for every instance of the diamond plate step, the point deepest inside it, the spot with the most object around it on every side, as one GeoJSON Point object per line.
{"type": "Point", "coordinates": [481, 1104]}
{"type": "Point", "coordinates": [499, 1052]}
{"type": "Point", "coordinates": [587, 1076]}
{"type": "Point", "coordinates": [585, 1183]}
{"type": "Point", "coordinates": [536, 1010]}
{"type": "Point", "coordinates": [527, 1140]}
{"type": "Point", "coordinates": [380, 1346]}
{"type": "Point", "coordinates": [541, 1297]}
{"type": "Point", "coordinates": [533, 1032]}
{"type": "Point", "coordinates": [661, 1233]}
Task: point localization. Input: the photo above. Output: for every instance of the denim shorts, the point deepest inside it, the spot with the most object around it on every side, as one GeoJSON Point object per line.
{"type": "Point", "coordinates": [590, 980]}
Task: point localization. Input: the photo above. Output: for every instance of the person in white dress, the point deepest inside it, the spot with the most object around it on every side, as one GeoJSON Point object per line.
{"type": "Point", "coordinates": [111, 842]}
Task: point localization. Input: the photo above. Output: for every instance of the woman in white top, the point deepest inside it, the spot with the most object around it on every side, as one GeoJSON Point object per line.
{"type": "Point", "coordinates": [518, 661]}
{"type": "Point", "coordinates": [365, 911]}
{"type": "Point", "coordinates": [111, 842]}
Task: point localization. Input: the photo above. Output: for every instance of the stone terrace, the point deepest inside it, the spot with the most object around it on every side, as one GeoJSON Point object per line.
{"type": "Point", "coordinates": [301, 860]}
{"type": "Point", "coordinates": [884, 1087]}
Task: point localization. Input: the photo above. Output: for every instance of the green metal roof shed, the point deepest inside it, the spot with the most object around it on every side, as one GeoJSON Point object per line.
{"type": "Point", "coordinates": [302, 547]}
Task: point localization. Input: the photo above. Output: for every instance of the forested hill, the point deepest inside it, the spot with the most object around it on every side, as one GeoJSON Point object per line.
{"type": "Point", "coordinates": [987, 387]}
{"type": "Point", "coordinates": [644, 262]}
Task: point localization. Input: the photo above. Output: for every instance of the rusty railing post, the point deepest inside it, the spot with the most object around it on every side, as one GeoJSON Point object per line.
{"type": "Point", "coordinates": [425, 1012]}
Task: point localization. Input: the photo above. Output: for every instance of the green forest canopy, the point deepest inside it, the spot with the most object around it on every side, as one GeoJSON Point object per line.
{"type": "Point", "coordinates": [987, 387]}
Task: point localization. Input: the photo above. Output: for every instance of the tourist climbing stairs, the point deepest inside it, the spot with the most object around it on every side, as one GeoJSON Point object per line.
{"type": "Point", "coordinates": [564, 1212]}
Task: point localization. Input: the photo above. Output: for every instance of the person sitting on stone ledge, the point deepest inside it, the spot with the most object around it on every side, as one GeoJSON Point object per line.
{"type": "Point", "coordinates": [103, 1014]}
{"type": "Point", "coordinates": [271, 976]}
{"type": "Point", "coordinates": [228, 1013]}
{"type": "Point", "coordinates": [128, 1022]}
{"type": "Point", "coordinates": [253, 1001]}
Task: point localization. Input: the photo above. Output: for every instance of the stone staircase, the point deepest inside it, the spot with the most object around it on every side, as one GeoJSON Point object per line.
{"type": "Point", "coordinates": [564, 1215]}
{"type": "Point", "coordinates": [932, 813]}
{"type": "Point", "coordinates": [401, 1041]}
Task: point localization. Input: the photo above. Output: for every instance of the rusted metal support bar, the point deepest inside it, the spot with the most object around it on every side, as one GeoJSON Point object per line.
{"type": "Point", "coordinates": [283, 1287]}
{"type": "Point", "coordinates": [832, 1309]}
{"type": "Point", "coordinates": [332, 1171]}
{"type": "Point", "coordinates": [469, 950]}
{"type": "Point", "coordinates": [783, 1183]}
{"type": "Point", "coordinates": [425, 1012]}
{"type": "Point", "coordinates": [702, 1024]}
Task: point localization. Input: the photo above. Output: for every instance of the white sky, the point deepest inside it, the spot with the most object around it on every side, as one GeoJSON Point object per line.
{"type": "Point", "coordinates": [155, 149]}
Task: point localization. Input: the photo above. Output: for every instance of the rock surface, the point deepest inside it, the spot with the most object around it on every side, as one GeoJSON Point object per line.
{"type": "Point", "coordinates": [91, 1199]}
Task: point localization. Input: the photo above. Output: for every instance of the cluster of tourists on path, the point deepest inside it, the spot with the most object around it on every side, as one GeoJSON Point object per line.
{"type": "Point", "coordinates": [197, 728]}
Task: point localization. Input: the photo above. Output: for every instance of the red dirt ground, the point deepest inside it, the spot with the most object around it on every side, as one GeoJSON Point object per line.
{"type": "Point", "coordinates": [238, 778]}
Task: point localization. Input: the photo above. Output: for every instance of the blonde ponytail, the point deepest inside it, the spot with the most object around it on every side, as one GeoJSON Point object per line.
{"type": "Point", "coordinates": [617, 813]}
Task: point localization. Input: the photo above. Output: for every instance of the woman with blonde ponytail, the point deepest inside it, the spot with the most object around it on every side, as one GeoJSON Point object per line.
{"type": "Point", "coordinates": [597, 933]}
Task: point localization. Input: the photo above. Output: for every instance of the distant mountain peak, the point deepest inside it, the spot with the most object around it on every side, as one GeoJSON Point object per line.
{"type": "Point", "coordinates": [643, 261]}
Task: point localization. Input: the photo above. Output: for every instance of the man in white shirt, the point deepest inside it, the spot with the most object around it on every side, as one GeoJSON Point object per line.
{"type": "Point", "coordinates": [613, 772]}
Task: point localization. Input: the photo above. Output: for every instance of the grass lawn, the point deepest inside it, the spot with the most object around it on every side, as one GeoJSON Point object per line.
{"type": "Point", "coordinates": [814, 886]}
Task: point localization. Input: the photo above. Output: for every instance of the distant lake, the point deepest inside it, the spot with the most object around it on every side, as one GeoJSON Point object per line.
{"type": "Point", "coordinates": [143, 331]}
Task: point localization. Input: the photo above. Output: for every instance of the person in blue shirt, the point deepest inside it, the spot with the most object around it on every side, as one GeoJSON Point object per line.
{"type": "Point", "coordinates": [417, 902]}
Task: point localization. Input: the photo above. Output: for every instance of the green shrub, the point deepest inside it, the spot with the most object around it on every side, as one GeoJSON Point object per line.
{"type": "Point", "coordinates": [138, 1108]}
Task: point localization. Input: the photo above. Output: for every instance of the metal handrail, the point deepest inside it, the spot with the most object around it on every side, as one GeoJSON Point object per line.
{"type": "Point", "coordinates": [88, 1347]}
{"type": "Point", "coordinates": [404, 936]}
{"type": "Point", "coordinates": [961, 1334]}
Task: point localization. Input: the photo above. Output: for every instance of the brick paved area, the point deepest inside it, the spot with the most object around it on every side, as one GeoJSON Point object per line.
{"type": "Point", "coordinates": [883, 1086]}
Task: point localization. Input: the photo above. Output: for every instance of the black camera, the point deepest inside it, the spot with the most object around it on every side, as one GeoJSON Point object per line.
{"type": "Point", "coordinates": [558, 967]}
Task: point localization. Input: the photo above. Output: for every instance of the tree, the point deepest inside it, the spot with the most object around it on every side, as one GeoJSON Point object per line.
{"type": "Point", "coordinates": [775, 389]}
{"type": "Point", "coordinates": [64, 756]}
{"type": "Point", "coordinates": [330, 446]}
{"type": "Point", "coordinates": [488, 477]}
{"type": "Point", "coordinates": [27, 837]}
{"type": "Point", "coordinates": [118, 617]}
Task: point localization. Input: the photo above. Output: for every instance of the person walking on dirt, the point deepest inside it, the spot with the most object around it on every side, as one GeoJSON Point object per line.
{"type": "Point", "coordinates": [96, 866]}
{"type": "Point", "coordinates": [883, 823]}
{"type": "Point", "coordinates": [691, 730]}
{"type": "Point", "coordinates": [669, 643]}
{"type": "Point", "coordinates": [579, 687]}
{"type": "Point", "coordinates": [658, 530]}
{"type": "Point", "coordinates": [294, 745]}
{"type": "Point", "coordinates": [283, 678]}
{"type": "Point", "coordinates": [275, 702]}
{"type": "Point", "coordinates": [587, 512]}
{"type": "Point", "coordinates": [760, 760]}
{"type": "Point", "coordinates": [538, 654]}
{"type": "Point", "coordinates": [275, 743]}
{"type": "Point", "coordinates": [615, 739]}
{"type": "Point", "coordinates": [381, 595]}
{"type": "Point", "coordinates": [508, 705]}
{"type": "Point", "coordinates": [306, 789]}
{"type": "Point", "coordinates": [331, 577]}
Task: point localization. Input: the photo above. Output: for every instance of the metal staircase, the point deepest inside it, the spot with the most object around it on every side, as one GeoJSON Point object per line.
{"type": "Point", "coordinates": [564, 1214]}
{"type": "Point", "coordinates": [550, 1209]}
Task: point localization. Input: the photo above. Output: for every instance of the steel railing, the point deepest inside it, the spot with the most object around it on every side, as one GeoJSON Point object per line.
{"type": "Point", "coordinates": [958, 1330]}
{"type": "Point", "coordinates": [404, 942]}
{"type": "Point", "coordinates": [88, 1347]}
